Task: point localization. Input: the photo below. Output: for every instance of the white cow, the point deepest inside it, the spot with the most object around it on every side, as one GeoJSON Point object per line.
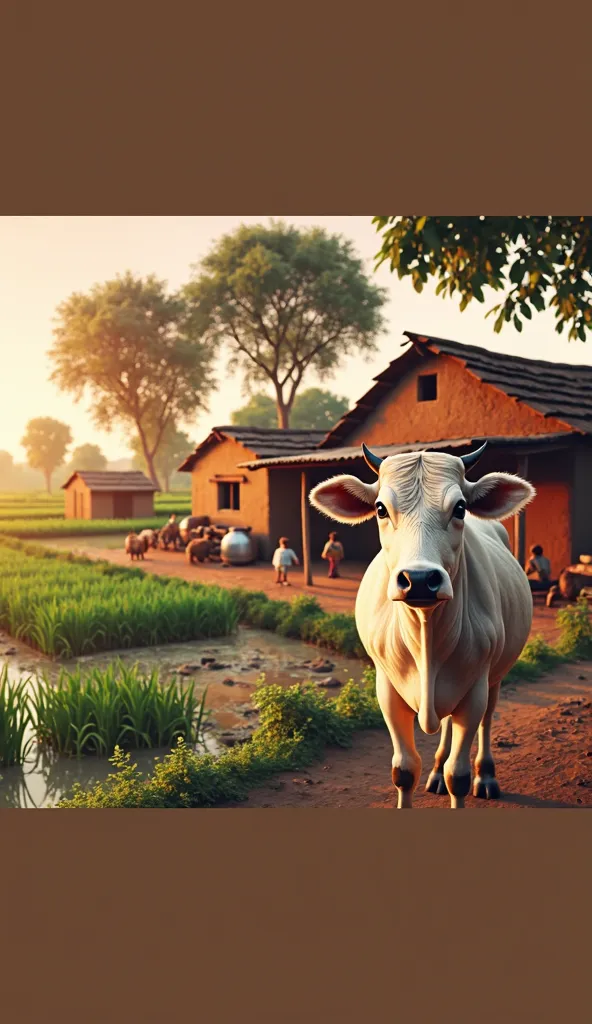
{"type": "Point", "coordinates": [444, 609]}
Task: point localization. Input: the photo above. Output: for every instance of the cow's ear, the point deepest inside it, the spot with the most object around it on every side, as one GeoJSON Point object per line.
{"type": "Point", "coordinates": [346, 499]}
{"type": "Point", "coordinates": [498, 495]}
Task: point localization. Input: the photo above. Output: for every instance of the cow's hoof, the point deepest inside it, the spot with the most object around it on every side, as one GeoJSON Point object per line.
{"type": "Point", "coordinates": [436, 784]}
{"type": "Point", "coordinates": [486, 789]}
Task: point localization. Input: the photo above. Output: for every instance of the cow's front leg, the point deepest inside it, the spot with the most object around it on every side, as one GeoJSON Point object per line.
{"type": "Point", "coordinates": [485, 784]}
{"type": "Point", "coordinates": [436, 783]}
{"type": "Point", "coordinates": [400, 721]}
{"type": "Point", "coordinates": [466, 719]}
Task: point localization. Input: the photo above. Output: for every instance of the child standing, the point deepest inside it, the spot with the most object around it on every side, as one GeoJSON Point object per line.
{"type": "Point", "coordinates": [333, 553]}
{"type": "Point", "coordinates": [283, 558]}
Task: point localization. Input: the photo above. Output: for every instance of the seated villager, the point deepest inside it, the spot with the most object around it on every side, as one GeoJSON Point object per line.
{"type": "Point", "coordinates": [538, 570]}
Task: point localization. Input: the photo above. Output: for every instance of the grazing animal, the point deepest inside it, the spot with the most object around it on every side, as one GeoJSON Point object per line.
{"type": "Point", "coordinates": [443, 610]}
{"type": "Point", "coordinates": [149, 538]}
{"type": "Point", "coordinates": [134, 546]}
{"type": "Point", "coordinates": [170, 535]}
{"type": "Point", "coordinates": [198, 550]}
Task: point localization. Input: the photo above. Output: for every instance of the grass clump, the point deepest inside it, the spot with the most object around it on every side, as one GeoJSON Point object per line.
{"type": "Point", "coordinates": [114, 707]}
{"type": "Point", "coordinates": [15, 720]}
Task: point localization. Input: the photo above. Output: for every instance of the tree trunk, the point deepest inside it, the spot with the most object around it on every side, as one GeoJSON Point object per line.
{"type": "Point", "coordinates": [148, 457]}
{"type": "Point", "coordinates": [47, 475]}
{"type": "Point", "coordinates": [283, 413]}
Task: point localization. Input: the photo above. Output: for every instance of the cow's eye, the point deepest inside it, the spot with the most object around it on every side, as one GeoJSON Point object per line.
{"type": "Point", "coordinates": [381, 510]}
{"type": "Point", "coordinates": [459, 510]}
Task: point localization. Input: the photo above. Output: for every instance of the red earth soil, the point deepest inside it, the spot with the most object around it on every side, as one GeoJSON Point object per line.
{"type": "Point", "coordinates": [542, 745]}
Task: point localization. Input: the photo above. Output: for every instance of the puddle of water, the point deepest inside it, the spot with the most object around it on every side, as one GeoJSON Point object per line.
{"type": "Point", "coordinates": [244, 657]}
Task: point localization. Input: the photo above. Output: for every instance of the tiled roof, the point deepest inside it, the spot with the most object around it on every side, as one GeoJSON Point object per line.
{"type": "Point", "coordinates": [263, 442]}
{"type": "Point", "coordinates": [106, 480]}
{"type": "Point", "coordinates": [349, 454]}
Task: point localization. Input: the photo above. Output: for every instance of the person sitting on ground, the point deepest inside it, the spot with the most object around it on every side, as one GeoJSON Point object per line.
{"type": "Point", "coordinates": [283, 558]}
{"type": "Point", "coordinates": [333, 553]}
{"type": "Point", "coordinates": [538, 569]}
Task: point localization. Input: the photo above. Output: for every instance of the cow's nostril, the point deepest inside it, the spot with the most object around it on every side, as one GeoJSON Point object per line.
{"type": "Point", "coordinates": [403, 581]}
{"type": "Point", "coordinates": [434, 580]}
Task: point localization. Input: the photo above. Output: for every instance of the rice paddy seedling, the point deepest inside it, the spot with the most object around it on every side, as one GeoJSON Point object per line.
{"type": "Point", "coordinates": [16, 738]}
{"type": "Point", "coordinates": [67, 607]}
{"type": "Point", "coordinates": [116, 706]}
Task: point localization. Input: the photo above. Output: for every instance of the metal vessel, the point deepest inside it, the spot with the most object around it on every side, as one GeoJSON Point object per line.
{"type": "Point", "coordinates": [237, 547]}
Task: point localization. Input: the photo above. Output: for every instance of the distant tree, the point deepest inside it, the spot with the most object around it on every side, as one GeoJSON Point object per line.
{"type": "Point", "coordinates": [174, 447]}
{"type": "Point", "coordinates": [316, 409]}
{"type": "Point", "coordinates": [286, 302]}
{"type": "Point", "coordinates": [45, 443]}
{"type": "Point", "coordinates": [133, 347]}
{"type": "Point", "coordinates": [6, 470]}
{"type": "Point", "coordinates": [313, 409]}
{"type": "Point", "coordinates": [535, 261]}
{"type": "Point", "coordinates": [260, 411]}
{"type": "Point", "coordinates": [87, 456]}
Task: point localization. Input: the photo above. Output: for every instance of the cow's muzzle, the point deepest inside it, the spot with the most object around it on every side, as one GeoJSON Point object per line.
{"type": "Point", "coordinates": [421, 587]}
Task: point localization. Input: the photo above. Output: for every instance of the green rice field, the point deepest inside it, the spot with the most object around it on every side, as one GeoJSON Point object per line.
{"type": "Point", "coordinates": [65, 607]}
{"type": "Point", "coordinates": [39, 529]}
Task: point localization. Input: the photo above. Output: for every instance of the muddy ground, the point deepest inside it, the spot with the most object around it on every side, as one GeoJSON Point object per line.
{"type": "Point", "coordinates": [542, 743]}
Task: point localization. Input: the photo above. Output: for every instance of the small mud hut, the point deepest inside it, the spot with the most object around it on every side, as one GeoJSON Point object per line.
{"type": "Point", "coordinates": [109, 495]}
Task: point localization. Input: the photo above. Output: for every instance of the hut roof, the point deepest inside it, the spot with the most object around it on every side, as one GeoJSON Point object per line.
{"type": "Point", "coordinates": [558, 390]}
{"type": "Point", "coordinates": [524, 444]}
{"type": "Point", "coordinates": [264, 442]}
{"type": "Point", "coordinates": [107, 480]}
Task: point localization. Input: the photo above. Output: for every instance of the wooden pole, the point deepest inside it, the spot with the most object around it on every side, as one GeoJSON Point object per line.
{"type": "Point", "coordinates": [305, 516]}
{"type": "Point", "coordinates": [520, 519]}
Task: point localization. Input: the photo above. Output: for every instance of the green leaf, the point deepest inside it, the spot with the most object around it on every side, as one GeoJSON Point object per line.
{"type": "Point", "coordinates": [525, 310]}
{"type": "Point", "coordinates": [517, 322]}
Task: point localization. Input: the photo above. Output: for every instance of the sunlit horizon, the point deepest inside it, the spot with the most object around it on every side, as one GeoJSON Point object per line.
{"type": "Point", "coordinates": [44, 259]}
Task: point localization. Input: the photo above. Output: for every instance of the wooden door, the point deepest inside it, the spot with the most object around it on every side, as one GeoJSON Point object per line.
{"type": "Point", "coordinates": [123, 505]}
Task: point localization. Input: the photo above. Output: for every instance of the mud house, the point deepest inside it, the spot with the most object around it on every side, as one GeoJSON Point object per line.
{"type": "Point", "coordinates": [232, 496]}
{"type": "Point", "coordinates": [109, 495]}
{"type": "Point", "coordinates": [444, 396]}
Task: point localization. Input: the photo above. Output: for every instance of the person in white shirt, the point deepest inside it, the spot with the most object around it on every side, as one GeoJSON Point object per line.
{"type": "Point", "coordinates": [283, 558]}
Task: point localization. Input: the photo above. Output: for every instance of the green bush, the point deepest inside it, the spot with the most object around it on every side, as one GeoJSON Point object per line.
{"type": "Point", "coordinates": [15, 720]}
{"type": "Point", "coordinates": [576, 630]}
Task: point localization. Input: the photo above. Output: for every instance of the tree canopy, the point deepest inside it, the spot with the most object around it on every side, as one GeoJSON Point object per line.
{"type": "Point", "coordinates": [45, 442]}
{"type": "Point", "coordinates": [313, 409]}
{"type": "Point", "coordinates": [87, 456]}
{"type": "Point", "coordinates": [174, 447]}
{"type": "Point", "coordinates": [537, 262]}
{"type": "Point", "coordinates": [132, 346]}
{"type": "Point", "coordinates": [285, 302]}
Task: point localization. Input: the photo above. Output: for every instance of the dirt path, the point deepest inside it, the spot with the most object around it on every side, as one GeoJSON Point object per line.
{"type": "Point", "coordinates": [333, 595]}
{"type": "Point", "coordinates": [542, 741]}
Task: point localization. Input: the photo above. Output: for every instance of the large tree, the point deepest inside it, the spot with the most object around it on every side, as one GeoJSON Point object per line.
{"type": "Point", "coordinates": [313, 409]}
{"type": "Point", "coordinates": [174, 448]}
{"type": "Point", "coordinates": [132, 346]}
{"type": "Point", "coordinates": [285, 302]}
{"type": "Point", "coordinates": [45, 442]}
{"type": "Point", "coordinates": [87, 456]}
{"type": "Point", "coordinates": [537, 262]}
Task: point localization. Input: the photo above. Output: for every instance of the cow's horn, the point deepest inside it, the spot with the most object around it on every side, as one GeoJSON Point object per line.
{"type": "Point", "coordinates": [473, 457]}
{"type": "Point", "coordinates": [374, 461]}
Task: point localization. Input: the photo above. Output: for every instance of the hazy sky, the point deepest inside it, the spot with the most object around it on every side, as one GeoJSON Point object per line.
{"type": "Point", "coordinates": [44, 259]}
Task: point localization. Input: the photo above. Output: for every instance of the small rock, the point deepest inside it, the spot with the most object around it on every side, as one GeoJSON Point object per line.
{"type": "Point", "coordinates": [322, 665]}
{"type": "Point", "coordinates": [538, 759]}
{"type": "Point", "coordinates": [207, 661]}
{"type": "Point", "coordinates": [579, 800]}
{"type": "Point", "coordinates": [228, 682]}
{"type": "Point", "coordinates": [329, 682]}
{"type": "Point", "coordinates": [186, 670]}
{"type": "Point", "coordinates": [215, 666]}
{"type": "Point", "coordinates": [581, 677]}
{"type": "Point", "coordinates": [250, 712]}
{"type": "Point", "coordinates": [566, 712]}
{"type": "Point", "coordinates": [10, 650]}
{"type": "Point", "coordinates": [506, 744]}
{"type": "Point", "coordinates": [589, 753]}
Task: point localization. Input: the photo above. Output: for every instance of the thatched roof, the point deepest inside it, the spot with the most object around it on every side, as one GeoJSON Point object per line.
{"type": "Point", "coordinates": [557, 390]}
{"type": "Point", "coordinates": [110, 480]}
{"type": "Point", "coordinates": [263, 442]}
